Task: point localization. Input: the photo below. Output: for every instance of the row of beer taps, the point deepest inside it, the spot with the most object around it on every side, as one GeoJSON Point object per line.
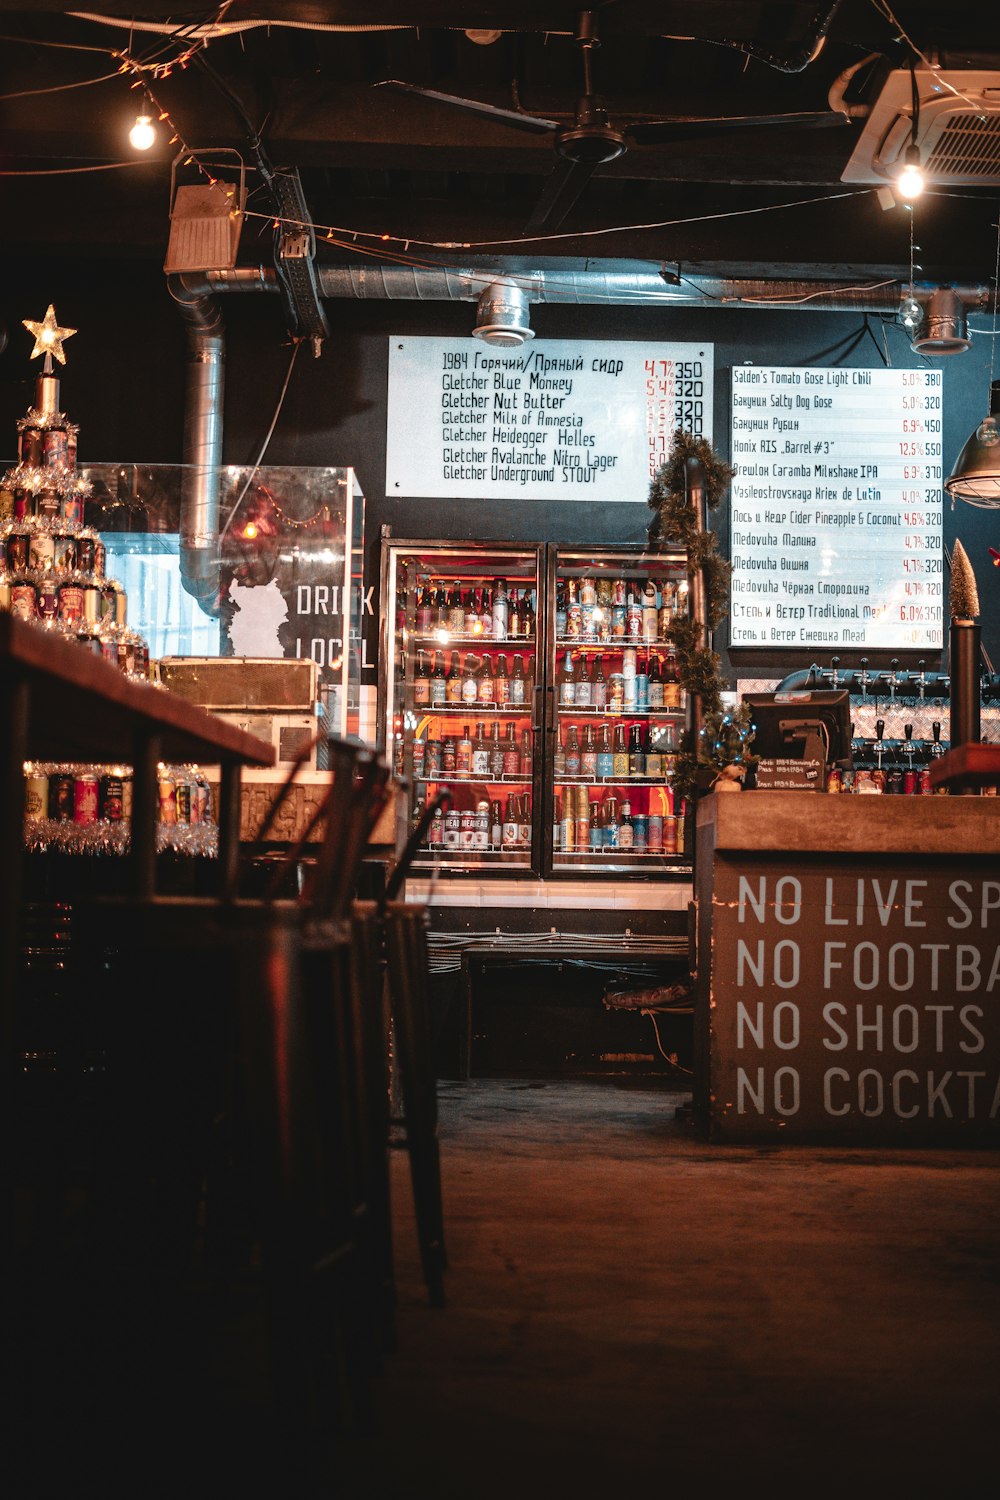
{"type": "Point", "coordinates": [893, 685]}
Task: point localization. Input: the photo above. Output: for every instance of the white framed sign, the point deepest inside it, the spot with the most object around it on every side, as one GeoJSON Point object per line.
{"type": "Point", "coordinates": [836, 508]}
{"type": "Point", "coordinates": [560, 419]}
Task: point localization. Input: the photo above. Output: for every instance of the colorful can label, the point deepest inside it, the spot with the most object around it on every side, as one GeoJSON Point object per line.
{"type": "Point", "coordinates": [61, 791]}
{"type": "Point", "coordinates": [112, 799]}
{"type": "Point", "coordinates": [100, 557]}
{"type": "Point", "coordinates": [36, 798]}
{"type": "Point", "coordinates": [47, 600]}
{"type": "Point", "coordinates": [22, 600]}
{"type": "Point", "coordinates": [654, 834]}
{"type": "Point", "coordinates": [30, 446]}
{"type": "Point", "coordinates": [168, 801]}
{"type": "Point", "coordinates": [41, 550]}
{"type": "Point", "coordinates": [18, 551]}
{"type": "Point", "coordinates": [85, 554]}
{"type": "Point", "coordinates": [70, 603]}
{"type": "Point", "coordinates": [64, 551]}
{"type": "Point", "coordinates": [54, 446]}
{"type": "Point", "coordinates": [85, 799]}
{"type": "Point", "coordinates": [72, 508]}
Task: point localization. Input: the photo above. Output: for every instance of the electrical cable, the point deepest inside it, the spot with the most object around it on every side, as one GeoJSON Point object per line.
{"type": "Point", "coordinates": [264, 446]}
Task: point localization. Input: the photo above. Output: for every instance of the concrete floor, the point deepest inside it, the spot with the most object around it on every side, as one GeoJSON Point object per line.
{"type": "Point", "coordinates": [631, 1311]}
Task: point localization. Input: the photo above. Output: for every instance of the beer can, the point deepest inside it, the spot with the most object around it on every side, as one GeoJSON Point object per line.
{"type": "Point", "coordinates": [432, 759]}
{"type": "Point", "coordinates": [126, 798]}
{"type": "Point", "coordinates": [64, 551]}
{"type": "Point", "coordinates": [3, 554]}
{"type": "Point", "coordinates": [91, 603]}
{"type": "Point", "coordinates": [61, 791]}
{"type": "Point", "coordinates": [449, 755]}
{"type": "Point", "coordinates": [847, 783]}
{"type": "Point", "coordinates": [574, 620]}
{"type": "Point", "coordinates": [121, 605]}
{"type": "Point", "coordinates": [85, 553]}
{"type": "Point", "coordinates": [168, 800]}
{"type": "Point", "coordinates": [670, 835]}
{"type": "Point", "coordinates": [4, 592]}
{"type": "Point", "coordinates": [30, 446]}
{"type": "Point", "coordinates": [629, 661]}
{"type": "Point", "coordinates": [604, 593]}
{"type": "Point", "coordinates": [481, 826]}
{"type": "Point", "coordinates": [41, 551]}
{"type": "Point", "coordinates": [54, 447]}
{"type": "Point", "coordinates": [616, 693]}
{"type": "Point", "coordinates": [109, 649]}
{"type": "Point", "coordinates": [22, 600]}
{"type": "Point", "coordinates": [581, 813]}
{"type": "Point", "coordinates": [72, 437]}
{"type": "Point", "coordinates": [100, 557]}
{"type": "Point", "coordinates": [911, 782]}
{"type": "Point", "coordinates": [618, 592]}
{"type": "Point", "coordinates": [435, 833]}
{"type": "Point", "coordinates": [72, 508]}
{"type": "Point", "coordinates": [126, 653]}
{"type": "Point", "coordinates": [654, 834]}
{"type": "Point", "coordinates": [22, 504]}
{"type": "Point", "coordinates": [18, 545]}
{"type": "Point", "coordinates": [111, 800]}
{"type": "Point", "coordinates": [924, 788]}
{"type": "Point", "coordinates": [47, 505]}
{"type": "Point", "coordinates": [630, 694]}
{"type": "Point", "coordinates": [419, 758]}
{"type": "Point", "coordinates": [640, 832]}
{"type": "Point", "coordinates": [141, 657]}
{"type": "Point", "coordinates": [183, 799]}
{"type": "Point", "coordinates": [70, 603]}
{"type": "Point", "coordinates": [36, 797]}
{"type": "Point", "coordinates": [894, 782]}
{"type": "Point", "coordinates": [201, 802]}
{"type": "Point", "coordinates": [864, 783]}
{"type": "Point", "coordinates": [618, 622]}
{"type": "Point", "coordinates": [85, 799]}
{"type": "Point", "coordinates": [633, 620]}
{"type": "Point", "coordinates": [834, 781]}
{"type": "Point", "coordinates": [654, 765]}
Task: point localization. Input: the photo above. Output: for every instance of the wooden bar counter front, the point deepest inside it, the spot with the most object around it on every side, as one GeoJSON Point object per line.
{"type": "Point", "coordinates": [848, 966]}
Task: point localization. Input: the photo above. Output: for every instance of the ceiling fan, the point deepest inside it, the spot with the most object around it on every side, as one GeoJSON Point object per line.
{"type": "Point", "coordinates": [590, 140]}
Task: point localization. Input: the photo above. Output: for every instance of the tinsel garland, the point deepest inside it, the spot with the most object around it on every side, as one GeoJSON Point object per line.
{"type": "Point", "coordinates": [102, 837]}
{"type": "Point", "coordinates": [675, 521]}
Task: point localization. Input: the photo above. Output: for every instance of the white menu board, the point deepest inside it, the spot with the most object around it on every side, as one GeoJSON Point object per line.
{"type": "Point", "coordinates": [836, 508]}
{"type": "Point", "coordinates": [559, 419]}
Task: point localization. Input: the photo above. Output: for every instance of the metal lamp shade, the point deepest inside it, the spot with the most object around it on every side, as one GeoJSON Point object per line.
{"type": "Point", "coordinates": [976, 475]}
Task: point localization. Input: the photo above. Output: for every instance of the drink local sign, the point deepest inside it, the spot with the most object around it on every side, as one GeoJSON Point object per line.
{"type": "Point", "coordinates": [854, 1002]}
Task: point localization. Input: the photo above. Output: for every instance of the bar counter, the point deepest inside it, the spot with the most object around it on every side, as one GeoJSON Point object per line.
{"type": "Point", "coordinates": [848, 968]}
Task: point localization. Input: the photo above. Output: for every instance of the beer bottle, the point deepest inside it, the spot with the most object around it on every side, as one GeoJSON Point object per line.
{"type": "Point", "coordinates": [439, 681]}
{"type": "Point", "coordinates": [511, 823]}
{"type": "Point", "coordinates": [529, 616]}
{"type": "Point", "coordinates": [526, 754]}
{"type": "Point", "coordinates": [496, 752]}
{"type": "Point", "coordinates": [486, 613]}
{"type": "Point", "coordinates": [599, 684]}
{"type": "Point", "coordinates": [581, 683]}
{"type": "Point", "coordinates": [560, 611]}
{"type": "Point", "coordinates": [453, 682]}
{"type": "Point", "coordinates": [572, 752]}
{"type": "Point", "coordinates": [655, 683]}
{"type": "Point", "coordinates": [649, 613]}
{"type": "Point", "coordinates": [567, 683]}
{"type": "Point", "coordinates": [518, 685]}
{"type": "Point", "coordinates": [514, 617]}
{"type": "Point", "coordinates": [440, 608]}
{"type": "Point", "coordinates": [496, 824]}
{"type": "Point", "coordinates": [463, 753]}
{"type": "Point", "coordinates": [501, 682]}
{"type": "Point", "coordinates": [486, 685]}
{"type": "Point", "coordinates": [610, 821]}
{"type": "Point", "coordinates": [456, 610]}
{"type": "Point", "coordinates": [596, 832]}
{"type": "Point", "coordinates": [671, 682]}
{"type": "Point", "coordinates": [421, 682]}
{"type": "Point", "coordinates": [620, 752]}
{"type": "Point", "coordinates": [524, 820]}
{"type": "Point", "coordinates": [642, 683]}
{"type": "Point", "coordinates": [425, 609]}
{"type": "Point", "coordinates": [480, 753]}
{"type": "Point", "coordinates": [588, 753]}
{"type": "Point", "coordinates": [471, 622]}
{"type": "Point", "coordinates": [605, 755]}
{"type": "Point", "coordinates": [511, 753]}
{"type": "Point", "coordinates": [470, 687]}
{"type": "Point", "coordinates": [499, 610]}
{"type": "Point", "coordinates": [636, 751]}
{"type": "Point", "coordinates": [626, 832]}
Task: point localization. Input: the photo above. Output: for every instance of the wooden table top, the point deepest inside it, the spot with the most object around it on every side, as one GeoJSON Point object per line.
{"type": "Point", "coordinates": [83, 708]}
{"type": "Point", "coordinates": [967, 765]}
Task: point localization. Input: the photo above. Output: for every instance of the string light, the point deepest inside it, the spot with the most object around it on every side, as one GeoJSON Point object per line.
{"type": "Point", "coordinates": [910, 182]}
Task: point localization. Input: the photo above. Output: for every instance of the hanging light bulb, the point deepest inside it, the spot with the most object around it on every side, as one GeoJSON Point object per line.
{"type": "Point", "coordinates": [143, 133]}
{"type": "Point", "coordinates": [910, 312]}
{"type": "Point", "coordinates": [910, 182]}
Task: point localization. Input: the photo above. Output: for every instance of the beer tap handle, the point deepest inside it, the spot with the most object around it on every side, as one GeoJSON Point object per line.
{"type": "Point", "coordinates": [922, 679]}
{"type": "Point", "coordinates": [893, 677]}
{"type": "Point", "coordinates": [879, 728]}
{"type": "Point", "coordinates": [863, 677]}
{"type": "Point", "coordinates": [834, 674]}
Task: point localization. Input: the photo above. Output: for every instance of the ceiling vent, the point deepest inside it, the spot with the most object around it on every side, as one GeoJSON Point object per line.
{"type": "Point", "coordinates": [958, 133]}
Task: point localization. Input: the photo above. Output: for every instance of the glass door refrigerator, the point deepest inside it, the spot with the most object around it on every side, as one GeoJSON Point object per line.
{"type": "Point", "coordinates": [461, 693]}
{"type": "Point", "coordinates": [615, 711]}
{"type": "Point", "coordinates": [536, 686]}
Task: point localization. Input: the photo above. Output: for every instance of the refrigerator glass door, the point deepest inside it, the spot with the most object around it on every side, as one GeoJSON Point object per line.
{"type": "Point", "coordinates": [617, 711]}
{"type": "Point", "coordinates": [462, 692]}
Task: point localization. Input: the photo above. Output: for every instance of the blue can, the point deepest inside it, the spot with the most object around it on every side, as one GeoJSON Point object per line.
{"type": "Point", "coordinates": [640, 832]}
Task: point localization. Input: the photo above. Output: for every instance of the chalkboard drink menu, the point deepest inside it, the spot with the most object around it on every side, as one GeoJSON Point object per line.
{"type": "Point", "coordinates": [836, 508]}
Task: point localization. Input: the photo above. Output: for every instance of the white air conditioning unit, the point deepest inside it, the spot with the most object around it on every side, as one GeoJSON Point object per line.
{"type": "Point", "coordinates": [958, 129]}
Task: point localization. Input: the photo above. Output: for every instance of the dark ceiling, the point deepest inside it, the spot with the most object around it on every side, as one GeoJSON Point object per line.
{"type": "Point", "coordinates": [377, 160]}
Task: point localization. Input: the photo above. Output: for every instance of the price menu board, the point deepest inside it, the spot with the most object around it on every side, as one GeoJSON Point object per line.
{"type": "Point", "coordinates": [836, 508]}
{"type": "Point", "coordinates": [560, 419]}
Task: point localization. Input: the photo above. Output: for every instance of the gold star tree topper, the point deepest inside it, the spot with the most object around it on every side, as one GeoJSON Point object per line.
{"type": "Point", "coordinates": [48, 335]}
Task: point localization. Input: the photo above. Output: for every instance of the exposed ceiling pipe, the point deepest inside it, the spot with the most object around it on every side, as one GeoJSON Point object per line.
{"type": "Point", "coordinates": [195, 295]}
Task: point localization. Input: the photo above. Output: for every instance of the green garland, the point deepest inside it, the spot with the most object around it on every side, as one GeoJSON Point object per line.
{"type": "Point", "coordinates": [698, 667]}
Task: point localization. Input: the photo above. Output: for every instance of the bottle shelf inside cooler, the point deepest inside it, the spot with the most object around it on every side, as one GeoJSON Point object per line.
{"type": "Point", "coordinates": [434, 642]}
{"type": "Point", "coordinates": [606, 782]}
{"type": "Point", "coordinates": [470, 710]}
{"type": "Point", "coordinates": [570, 710]}
{"type": "Point", "coordinates": [465, 779]}
{"type": "Point", "coordinates": [612, 644]}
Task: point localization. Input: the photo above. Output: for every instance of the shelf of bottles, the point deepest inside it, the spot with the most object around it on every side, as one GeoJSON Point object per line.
{"type": "Point", "coordinates": [620, 711]}
{"type": "Point", "coordinates": [463, 680]}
